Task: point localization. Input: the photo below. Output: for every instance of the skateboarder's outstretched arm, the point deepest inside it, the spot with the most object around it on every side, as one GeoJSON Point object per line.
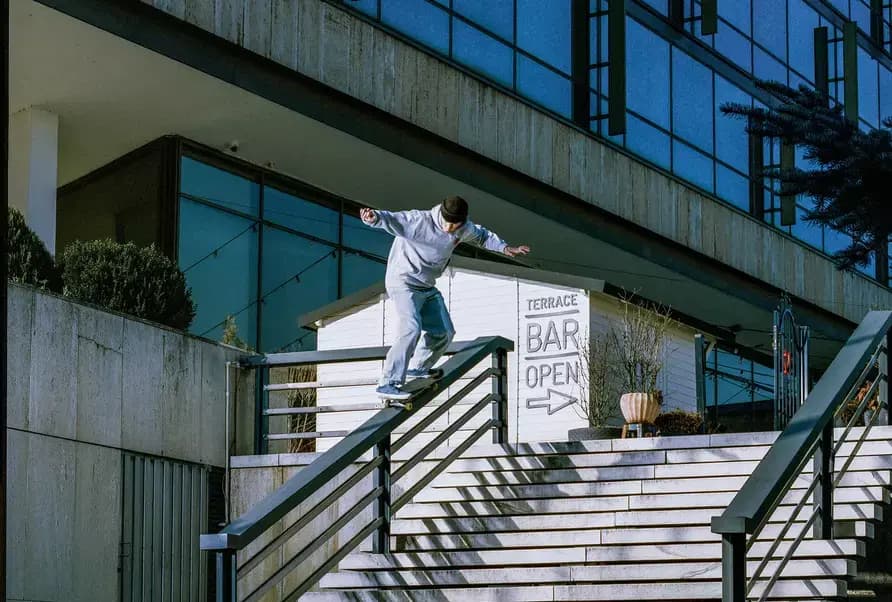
{"type": "Point", "coordinates": [395, 223]}
{"type": "Point", "coordinates": [486, 239]}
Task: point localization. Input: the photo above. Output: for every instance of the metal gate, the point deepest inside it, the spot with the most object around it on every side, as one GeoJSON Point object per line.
{"type": "Point", "coordinates": [790, 364]}
{"type": "Point", "coordinates": [165, 511]}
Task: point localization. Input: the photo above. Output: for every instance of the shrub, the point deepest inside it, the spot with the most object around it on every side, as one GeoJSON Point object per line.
{"type": "Point", "coordinates": [679, 422]}
{"type": "Point", "coordinates": [28, 260]}
{"type": "Point", "coordinates": [139, 281]}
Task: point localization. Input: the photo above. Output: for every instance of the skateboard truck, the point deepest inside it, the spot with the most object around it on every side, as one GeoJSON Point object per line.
{"type": "Point", "coordinates": [392, 403]}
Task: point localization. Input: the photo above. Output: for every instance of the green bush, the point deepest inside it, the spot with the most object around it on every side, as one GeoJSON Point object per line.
{"type": "Point", "coordinates": [28, 261]}
{"type": "Point", "coordinates": [679, 422]}
{"type": "Point", "coordinates": [139, 281]}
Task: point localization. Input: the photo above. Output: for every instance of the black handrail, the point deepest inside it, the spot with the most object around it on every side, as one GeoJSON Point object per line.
{"type": "Point", "coordinates": [373, 435]}
{"type": "Point", "coordinates": [809, 433]}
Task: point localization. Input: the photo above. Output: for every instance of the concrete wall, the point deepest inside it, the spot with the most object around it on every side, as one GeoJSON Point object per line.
{"type": "Point", "coordinates": [324, 42]}
{"type": "Point", "coordinates": [83, 385]}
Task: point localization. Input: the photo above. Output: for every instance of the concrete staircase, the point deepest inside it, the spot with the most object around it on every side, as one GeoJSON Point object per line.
{"type": "Point", "coordinates": [607, 520]}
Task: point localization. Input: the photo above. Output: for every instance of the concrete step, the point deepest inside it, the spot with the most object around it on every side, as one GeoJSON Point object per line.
{"type": "Point", "coordinates": [614, 503]}
{"type": "Point", "coordinates": [594, 520]}
{"type": "Point", "coordinates": [804, 589]}
{"type": "Point", "coordinates": [614, 554]}
{"type": "Point", "coordinates": [621, 573]}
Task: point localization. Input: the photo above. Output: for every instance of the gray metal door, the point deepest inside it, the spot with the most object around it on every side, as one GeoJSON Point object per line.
{"type": "Point", "coordinates": [165, 510]}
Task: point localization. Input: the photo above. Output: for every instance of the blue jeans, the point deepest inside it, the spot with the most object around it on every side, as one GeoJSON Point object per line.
{"type": "Point", "coordinates": [421, 315]}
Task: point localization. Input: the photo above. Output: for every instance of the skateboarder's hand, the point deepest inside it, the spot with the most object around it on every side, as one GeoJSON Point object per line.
{"type": "Point", "coordinates": [368, 215]}
{"type": "Point", "coordinates": [515, 251]}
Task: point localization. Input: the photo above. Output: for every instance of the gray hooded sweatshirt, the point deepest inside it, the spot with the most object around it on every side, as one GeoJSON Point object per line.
{"type": "Point", "coordinates": [421, 249]}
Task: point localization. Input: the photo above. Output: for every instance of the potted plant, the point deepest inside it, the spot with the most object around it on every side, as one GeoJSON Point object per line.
{"type": "Point", "coordinates": [639, 339]}
{"type": "Point", "coordinates": [599, 391]}
{"type": "Point", "coordinates": [678, 422]}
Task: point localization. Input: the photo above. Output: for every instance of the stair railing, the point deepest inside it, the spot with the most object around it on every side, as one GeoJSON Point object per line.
{"type": "Point", "coordinates": [338, 463]}
{"type": "Point", "coordinates": [853, 390]}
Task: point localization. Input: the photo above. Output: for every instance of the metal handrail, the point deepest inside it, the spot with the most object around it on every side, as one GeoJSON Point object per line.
{"type": "Point", "coordinates": [808, 434]}
{"type": "Point", "coordinates": [374, 435]}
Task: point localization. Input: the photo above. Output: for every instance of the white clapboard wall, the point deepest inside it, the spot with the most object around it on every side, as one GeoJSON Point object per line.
{"type": "Point", "coordinates": [547, 322]}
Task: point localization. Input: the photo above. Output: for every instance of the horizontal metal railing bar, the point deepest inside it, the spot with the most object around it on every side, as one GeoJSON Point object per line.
{"type": "Point", "coordinates": [307, 435]}
{"type": "Point", "coordinates": [442, 409]}
{"type": "Point", "coordinates": [333, 356]}
{"type": "Point", "coordinates": [349, 407]}
{"type": "Point", "coordinates": [309, 515]}
{"type": "Point", "coordinates": [322, 384]}
{"type": "Point", "coordinates": [441, 465]}
{"type": "Point", "coordinates": [348, 547]}
{"type": "Point", "coordinates": [314, 544]}
{"type": "Point", "coordinates": [441, 438]}
{"type": "Point", "coordinates": [270, 510]}
{"type": "Point", "coordinates": [774, 473]}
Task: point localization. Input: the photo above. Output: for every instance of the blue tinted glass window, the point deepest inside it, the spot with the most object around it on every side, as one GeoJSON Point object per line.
{"type": "Point", "coordinates": [543, 30]}
{"type": "Point", "coordinates": [692, 102]}
{"type": "Point", "coordinates": [418, 19]}
{"type": "Point", "coordinates": [369, 240]}
{"type": "Point", "coordinates": [732, 187]}
{"type": "Point", "coordinates": [870, 268]}
{"type": "Point", "coordinates": [647, 141]}
{"type": "Point", "coordinates": [835, 241]}
{"type": "Point", "coordinates": [369, 7]}
{"type": "Point", "coordinates": [219, 186]}
{"type": "Point", "coordinates": [495, 15]}
{"type": "Point", "coordinates": [841, 5]}
{"type": "Point", "coordinates": [544, 86]}
{"type": "Point", "coordinates": [809, 233]}
{"type": "Point", "coordinates": [767, 67]}
{"type": "Point", "coordinates": [731, 139]}
{"type": "Point", "coordinates": [802, 23]}
{"type": "Point", "coordinates": [868, 95]}
{"type": "Point", "coordinates": [298, 276]}
{"type": "Point", "coordinates": [358, 272]}
{"type": "Point", "coordinates": [737, 13]}
{"type": "Point", "coordinates": [736, 47]}
{"type": "Point", "coordinates": [217, 249]}
{"type": "Point", "coordinates": [661, 6]}
{"type": "Point", "coordinates": [483, 53]}
{"type": "Point", "coordinates": [299, 214]}
{"type": "Point", "coordinates": [692, 165]}
{"type": "Point", "coordinates": [647, 86]}
{"type": "Point", "coordinates": [861, 14]}
{"type": "Point", "coordinates": [770, 25]}
{"type": "Point", "coordinates": [885, 93]}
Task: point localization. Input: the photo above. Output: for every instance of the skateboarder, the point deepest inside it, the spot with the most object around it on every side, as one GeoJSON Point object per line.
{"type": "Point", "coordinates": [425, 240]}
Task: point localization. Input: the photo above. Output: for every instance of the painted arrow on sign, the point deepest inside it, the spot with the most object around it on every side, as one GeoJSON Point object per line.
{"type": "Point", "coordinates": [552, 405]}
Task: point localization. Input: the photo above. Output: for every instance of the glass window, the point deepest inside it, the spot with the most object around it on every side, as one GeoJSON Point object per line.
{"type": "Point", "coordinates": [483, 53]}
{"type": "Point", "coordinates": [868, 95]}
{"type": "Point", "coordinates": [299, 214]}
{"type": "Point", "coordinates": [767, 67]}
{"type": "Point", "coordinates": [647, 84]}
{"type": "Point", "coordinates": [661, 6]}
{"type": "Point", "coordinates": [543, 30]}
{"type": "Point", "coordinates": [731, 139]}
{"type": "Point", "coordinates": [298, 276]}
{"type": "Point", "coordinates": [544, 86]}
{"type": "Point", "coordinates": [495, 15]}
{"type": "Point", "coordinates": [369, 7]}
{"type": "Point", "coordinates": [736, 47]}
{"type": "Point", "coordinates": [692, 165]}
{"type": "Point", "coordinates": [647, 141]}
{"type": "Point", "coordinates": [358, 272]}
{"type": "Point", "coordinates": [363, 238]}
{"type": "Point", "coordinates": [861, 14]}
{"type": "Point", "coordinates": [217, 251]}
{"type": "Point", "coordinates": [218, 186]}
{"type": "Point", "coordinates": [770, 25]}
{"type": "Point", "coordinates": [885, 93]}
{"type": "Point", "coordinates": [737, 13]}
{"type": "Point", "coordinates": [692, 102]}
{"type": "Point", "coordinates": [809, 233]}
{"type": "Point", "coordinates": [802, 23]}
{"type": "Point", "coordinates": [835, 241]}
{"type": "Point", "coordinates": [418, 19]}
{"type": "Point", "coordinates": [733, 187]}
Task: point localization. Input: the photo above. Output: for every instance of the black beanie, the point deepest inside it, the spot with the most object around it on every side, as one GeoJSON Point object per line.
{"type": "Point", "coordinates": [454, 210]}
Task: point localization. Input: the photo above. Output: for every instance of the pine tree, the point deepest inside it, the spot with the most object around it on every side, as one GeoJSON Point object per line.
{"type": "Point", "coordinates": [849, 171]}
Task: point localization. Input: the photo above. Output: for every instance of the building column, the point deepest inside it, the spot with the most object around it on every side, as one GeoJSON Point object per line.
{"type": "Point", "coordinates": [33, 170]}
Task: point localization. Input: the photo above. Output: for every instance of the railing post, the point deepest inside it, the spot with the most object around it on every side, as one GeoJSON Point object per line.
{"type": "Point", "coordinates": [500, 396]}
{"type": "Point", "coordinates": [885, 365]}
{"type": "Point", "coordinates": [227, 585]}
{"type": "Point", "coordinates": [261, 404]}
{"type": "Point", "coordinates": [700, 371]}
{"type": "Point", "coordinates": [734, 567]}
{"type": "Point", "coordinates": [823, 496]}
{"type": "Point", "coordinates": [381, 538]}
